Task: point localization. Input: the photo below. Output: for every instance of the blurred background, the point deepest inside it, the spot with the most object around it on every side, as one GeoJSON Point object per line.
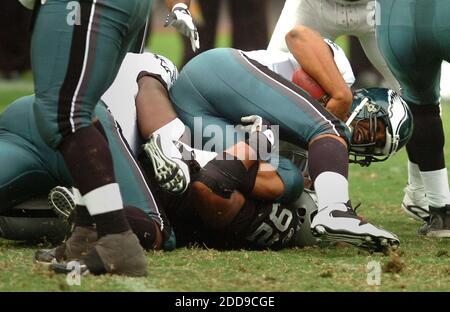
{"type": "Point", "coordinates": [243, 24]}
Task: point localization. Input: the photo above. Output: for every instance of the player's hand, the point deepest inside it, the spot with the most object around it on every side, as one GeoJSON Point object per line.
{"type": "Point", "coordinates": [256, 124]}
{"type": "Point", "coordinates": [181, 19]}
{"type": "Point", "coordinates": [253, 123]}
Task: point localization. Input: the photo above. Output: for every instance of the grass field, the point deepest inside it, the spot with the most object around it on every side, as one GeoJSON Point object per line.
{"type": "Point", "coordinates": [420, 264]}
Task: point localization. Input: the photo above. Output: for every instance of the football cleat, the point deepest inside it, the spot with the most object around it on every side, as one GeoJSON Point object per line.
{"type": "Point", "coordinates": [415, 204]}
{"type": "Point", "coordinates": [119, 254]}
{"type": "Point", "coordinates": [61, 201]}
{"type": "Point", "coordinates": [46, 255]}
{"type": "Point", "coordinates": [69, 267]}
{"type": "Point", "coordinates": [340, 223]}
{"type": "Point", "coordinates": [171, 172]}
{"type": "Point", "coordinates": [439, 223]}
{"type": "Point", "coordinates": [82, 240]}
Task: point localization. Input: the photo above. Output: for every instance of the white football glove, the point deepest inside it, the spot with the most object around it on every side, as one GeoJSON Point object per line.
{"type": "Point", "coordinates": [255, 123]}
{"type": "Point", "coordinates": [181, 19]}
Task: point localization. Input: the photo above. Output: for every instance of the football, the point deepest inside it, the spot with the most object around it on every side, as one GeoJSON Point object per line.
{"type": "Point", "coordinates": [307, 83]}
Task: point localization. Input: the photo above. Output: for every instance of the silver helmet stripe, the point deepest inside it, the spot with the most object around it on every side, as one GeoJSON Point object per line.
{"type": "Point", "coordinates": [356, 112]}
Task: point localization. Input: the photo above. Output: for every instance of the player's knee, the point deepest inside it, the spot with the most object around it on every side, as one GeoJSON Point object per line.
{"type": "Point", "coordinates": [54, 125]}
{"type": "Point", "coordinates": [48, 127]}
{"type": "Point", "coordinates": [292, 179]}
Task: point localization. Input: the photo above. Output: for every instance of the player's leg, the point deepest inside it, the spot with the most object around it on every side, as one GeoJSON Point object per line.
{"type": "Point", "coordinates": [146, 217]}
{"type": "Point", "coordinates": [70, 78]}
{"type": "Point", "coordinates": [415, 59]}
{"type": "Point", "coordinates": [225, 84]}
{"type": "Point", "coordinates": [26, 177]}
{"type": "Point", "coordinates": [369, 44]}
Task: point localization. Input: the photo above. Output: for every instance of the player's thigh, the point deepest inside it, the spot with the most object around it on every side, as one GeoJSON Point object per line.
{"type": "Point", "coordinates": [369, 44]}
{"type": "Point", "coordinates": [441, 29]}
{"type": "Point", "coordinates": [76, 57]}
{"type": "Point", "coordinates": [130, 177]}
{"type": "Point", "coordinates": [235, 86]}
{"type": "Point", "coordinates": [409, 53]}
{"type": "Point", "coordinates": [23, 175]}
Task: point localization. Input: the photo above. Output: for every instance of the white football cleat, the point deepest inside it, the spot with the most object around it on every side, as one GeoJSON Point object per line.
{"type": "Point", "coordinates": [61, 201]}
{"type": "Point", "coordinates": [171, 172]}
{"type": "Point", "coordinates": [340, 223]}
{"type": "Point", "coordinates": [415, 204]}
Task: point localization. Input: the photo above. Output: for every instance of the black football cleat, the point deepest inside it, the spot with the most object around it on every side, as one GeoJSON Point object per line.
{"type": "Point", "coordinates": [439, 223]}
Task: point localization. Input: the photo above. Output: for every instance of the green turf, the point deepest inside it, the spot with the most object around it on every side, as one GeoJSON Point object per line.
{"type": "Point", "coordinates": [423, 264]}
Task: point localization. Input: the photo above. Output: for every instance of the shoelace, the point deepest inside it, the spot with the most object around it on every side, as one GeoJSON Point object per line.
{"type": "Point", "coordinates": [355, 214]}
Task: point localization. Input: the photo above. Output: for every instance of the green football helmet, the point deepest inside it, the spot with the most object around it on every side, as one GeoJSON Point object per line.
{"type": "Point", "coordinates": [374, 104]}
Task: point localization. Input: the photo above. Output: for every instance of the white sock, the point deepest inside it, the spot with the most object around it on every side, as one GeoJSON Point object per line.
{"type": "Point", "coordinates": [414, 178]}
{"type": "Point", "coordinates": [170, 132]}
{"type": "Point", "coordinates": [436, 187]}
{"type": "Point", "coordinates": [331, 188]}
{"type": "Point", "coordinates": [78, 198]}
{"type": "Point", "coordinates": [173, 130]}
{"type": "Point", "coordinates": [104, 199]}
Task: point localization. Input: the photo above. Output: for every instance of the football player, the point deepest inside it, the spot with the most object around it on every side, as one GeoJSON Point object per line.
{"type": "Point", "coordinates": [332, 19]}
{"type": "Point", "coordinates": [76, 51]}
{"type": "Point", "coordinates": [412, 37]}
{"type": "Point", "coordinates": [141, 85]}
{"type": "Point", "coordinates": [223, 85]}
{"type": "Point", "coordinates": [34, 168]}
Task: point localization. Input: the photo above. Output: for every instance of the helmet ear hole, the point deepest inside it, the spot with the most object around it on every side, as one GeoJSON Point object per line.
{"type": "Point", "coordinates": [301, 212]}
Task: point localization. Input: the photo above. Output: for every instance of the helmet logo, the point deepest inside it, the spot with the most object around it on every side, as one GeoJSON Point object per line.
{"type": "Point", "coordinates": [372, 108]}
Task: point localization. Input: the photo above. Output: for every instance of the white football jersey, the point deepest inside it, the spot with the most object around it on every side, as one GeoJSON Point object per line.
{"type": "Point", "coordinates": [121, 95]}
{"type": "Point", "coordinates": [285, 64]}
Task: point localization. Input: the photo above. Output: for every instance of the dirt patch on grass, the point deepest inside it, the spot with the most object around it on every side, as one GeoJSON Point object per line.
{"type": "Point", "coordinates": [394, 265]}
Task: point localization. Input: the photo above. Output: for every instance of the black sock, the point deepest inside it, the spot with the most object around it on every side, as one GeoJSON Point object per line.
{"type": "Point", "coordinates": [113, 222]}
{"type": "Point", "coordinates": [82, 216]}
{"type": "Point", "coordinates": [327, 154]}
{"type": "Point", "coordinates": [90, 163]}
{"type": "Point", "coordinates": [426, 146]}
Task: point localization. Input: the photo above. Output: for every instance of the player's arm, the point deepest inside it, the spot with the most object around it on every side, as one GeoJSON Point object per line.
{"type": "Point", "coordinates": [267, 184]}
{"type": "Point", "coordinates": [153, 106]}
{"type": "Point", "coordinates": [316, 59]}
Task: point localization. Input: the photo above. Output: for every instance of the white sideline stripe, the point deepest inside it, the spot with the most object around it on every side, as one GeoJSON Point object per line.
{"type": "Point", "coordinates": [295, 94]}
{"type": "Point", "coordinates": [142, 177]}
{"type": "Point", "coordinates": [103, 199]}
{"type": "Point", "coordinates": [78, 198]}
{"type": "Point", "coordinates": [83, 71]}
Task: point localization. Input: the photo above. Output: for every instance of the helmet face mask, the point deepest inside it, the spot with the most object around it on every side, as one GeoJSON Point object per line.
{"type": "Point", "coordinates": [387, 122]}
